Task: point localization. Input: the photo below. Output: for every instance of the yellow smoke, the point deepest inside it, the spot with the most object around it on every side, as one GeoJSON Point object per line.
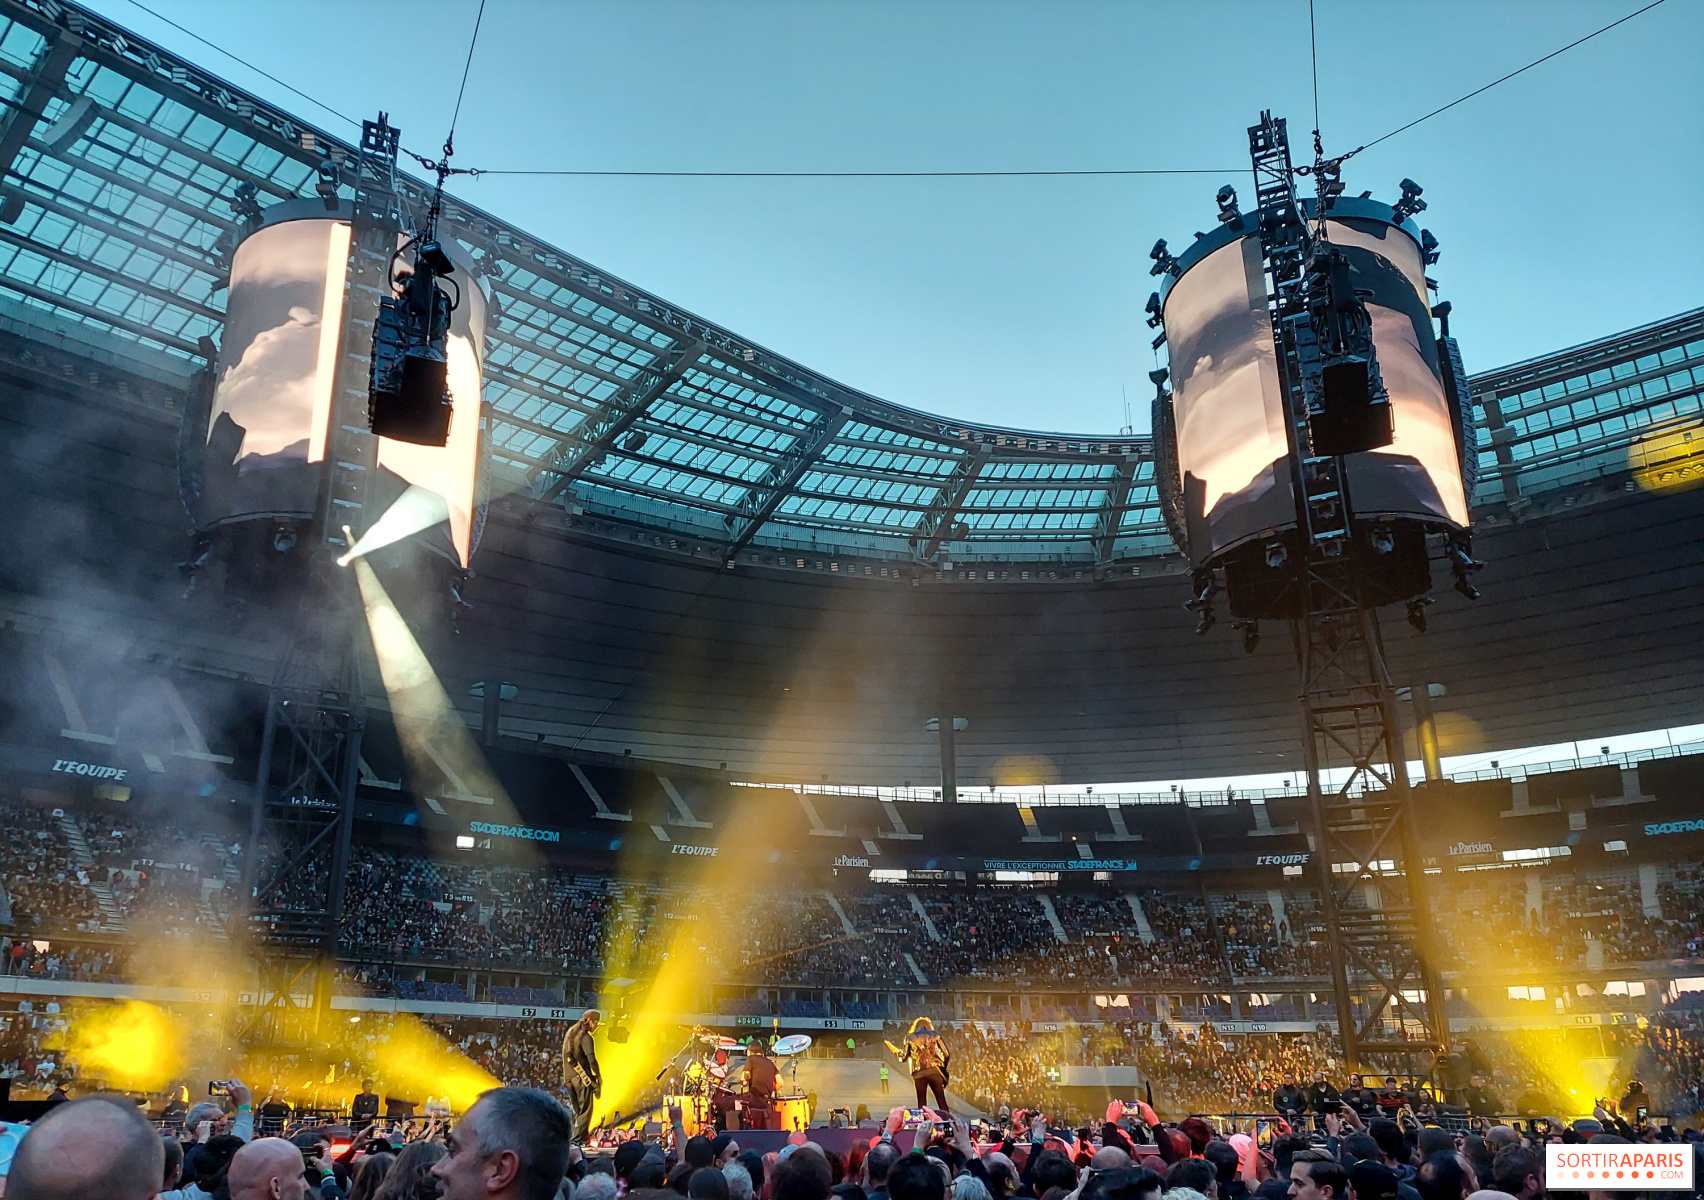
{"type": "Point", "coordinates": [131, 1044]}
{"type": "Point", "coordinates": [414, 1062]}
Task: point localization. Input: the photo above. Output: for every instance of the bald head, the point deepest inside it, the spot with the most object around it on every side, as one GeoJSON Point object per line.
{"type": "Point", "coordinates": [1110, 1158]}
{"type": "Point", "coordinates": [96, 1148]}
{"type": "Point", "coordinates": [267, 1169]}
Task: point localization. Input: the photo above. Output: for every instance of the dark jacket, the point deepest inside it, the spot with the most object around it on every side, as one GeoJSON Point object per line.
{"type": "Point", "coordinates": [1323, 1098]}
{"type": "Point", "coordinates": [1289, 1101]}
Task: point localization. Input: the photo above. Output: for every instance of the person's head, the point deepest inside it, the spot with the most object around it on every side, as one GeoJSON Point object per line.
{"type": "Point", "coordinates": [366, 1085]}
{"type": "Point", "coordinates": [1433, 1140]}
{"type": "Point", "coordinates": [1360, 1147]}
{"type": "Point", "coordinates": [1390, 1082]}
{"type": "Point", "coordinates": [649, 1174]}
{"type": "Point", "coordinates": [1195, 1173]}
{"type": "Point", "coordinates": [1315, 1175]}
{"type": "Point", "coordinates": [1354, 1081]}
{"type": "Point", "coordinates": [267, 1169]}
{"type": "Point", "coordinates": [1519, 1172]}
{"type": "Point", "coordinates": [878, 1162]}
{"type": "Point", "coordinates": [364, 1180]}
{"type": "Point", "coordinates": [698, 1152]}
{"type": "Point", "coordinates": [1388, 1134]}
{"type": "Point", "coordinates": [723, 1150]}
{"type": "Point", "coordinates": [172, 1174]}
{"type": "Point", "coordinates": [1500, 1136]}
{"type": "Point", "coordinates": [627, 1156]}
{"type": "Point", "coordinates": [914, 1177]}
{"type": "Point", "coordinates": [1138, 1183]}
{"type": "Point", "coordinates": [1372, 1181]}
{"type": "Point", "coordinates": [1442, 1177]}
{"type": "Point", "coordinates": [708, 1183]}
{"type": "Point", "coordinates": [739, 1183]}
{"type": "Point", "coordinates": [804, 1176]}
{"type": "Point", "coordinates": [513, 1142]}
{"type": "Point", "coordinates": [592, 1017]}
{"type": "Point", "coordinates": [1285, 1149]}
{"type": "Point", "coordinates": [754, 1163]}
{"type": "Point", "coordinates": [1289, 1077]}
{"type": "Point", "coordinates": [1225, 1160]}
{"type": "Point", "coordinates": [1198, 1132]}
{"type": "Point", "coordinates": [1052, 1169]}
{"type": "Point", "coordinates": [1003, 1176]}
{"type": "Point", "coordinates": [1319, 1076]}
{"type": "Point", "coordinates": [206, 1110]}
{"type": "Point", "coordinates": [412, 1175]}
{"type": "Point", "coordinates": [969, 1187]}
{"type": "Point", "coordinates": [96, 1146]}
{"type": "Point", "coordinates": [1110, 1158]}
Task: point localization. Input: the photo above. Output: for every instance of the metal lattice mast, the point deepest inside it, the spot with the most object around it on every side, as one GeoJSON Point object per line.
{"type": "Point", "coordinates": [351, 448]}
{"type": "Point", "coordinates": [1368, 867]}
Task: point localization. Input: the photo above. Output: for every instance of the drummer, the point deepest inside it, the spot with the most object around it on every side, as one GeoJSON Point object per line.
{"type": "Point", "coordinates": [761, 1074]}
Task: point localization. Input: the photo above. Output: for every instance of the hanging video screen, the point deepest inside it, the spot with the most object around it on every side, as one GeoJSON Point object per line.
{"type": "Point", "coordinates": [1419, 474]}
{"type": "Point", "coordinates": [1231, 445]}
{"type": "Point", "coordinates": [272, 390]}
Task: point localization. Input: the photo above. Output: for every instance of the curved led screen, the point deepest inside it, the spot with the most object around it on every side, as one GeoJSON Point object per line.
{"type": "Point", "coordinates": [1231, 446]}
{"type": "Point", "coordinates": [266, 435]}
{"type": "Point", "coordinates": [272, 388]}
{"type": "Point", "coordinates": [1227, 401]}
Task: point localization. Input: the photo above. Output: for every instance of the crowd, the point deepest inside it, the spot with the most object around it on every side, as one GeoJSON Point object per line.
{"type": "Point", "coordinates": [515, 1143]}
{"type": "Point", "coordinates": [68, 878]}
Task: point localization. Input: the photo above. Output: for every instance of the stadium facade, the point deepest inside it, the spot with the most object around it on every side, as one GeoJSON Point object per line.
{"type": "Point", "coordinates": [700, 552]}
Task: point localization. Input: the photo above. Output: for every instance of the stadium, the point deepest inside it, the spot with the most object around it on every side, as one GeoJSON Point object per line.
{"type": "Point", "coordinates": [723, 699]}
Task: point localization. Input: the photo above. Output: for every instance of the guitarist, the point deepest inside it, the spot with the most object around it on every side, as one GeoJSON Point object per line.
{"type": "Point", "coordinates": [927, 1057]}
{"type": "Point", "coordinates": [580, 1076]}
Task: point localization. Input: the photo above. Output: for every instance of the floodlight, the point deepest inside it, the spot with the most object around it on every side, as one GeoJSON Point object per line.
{"type": "Point", "coordinates": [1428, 246]}
{"type": "Point", "coordinates": [1164, 263]}
{"type": "Point", "coordinates": [245, 203]}
{"type": "Point", "coordinates": [1153, 310]}
{"type": "Point", "coordinates": [1227, 198]}
{"type": "Point", "coordinates": [1410, 202]}
{"type": "Point", "coordinates": [327, 185]}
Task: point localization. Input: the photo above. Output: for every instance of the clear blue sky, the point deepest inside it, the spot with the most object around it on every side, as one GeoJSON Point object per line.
{"type": "Point", "coordinates": [1567, 200]}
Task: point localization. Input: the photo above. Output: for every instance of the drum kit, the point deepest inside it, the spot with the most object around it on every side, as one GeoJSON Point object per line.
{"type": "Point", "coordinates": [710, 1102]}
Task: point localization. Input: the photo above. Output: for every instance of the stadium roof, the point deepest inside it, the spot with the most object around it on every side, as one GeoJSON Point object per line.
{"type": "Point", "coordinates": [116, 211]}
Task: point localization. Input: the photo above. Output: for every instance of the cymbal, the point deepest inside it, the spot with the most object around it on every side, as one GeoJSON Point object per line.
{"type": "Point", "coordinates": [793, 1043]}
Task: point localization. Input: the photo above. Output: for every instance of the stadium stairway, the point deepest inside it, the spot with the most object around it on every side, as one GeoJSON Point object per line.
{"type": "Point", "coordinates": [110, 917]}
{"type": "Point", "coordinates": [1052, 915]}
{"type": "Point", "coordinates": [848, 1082]}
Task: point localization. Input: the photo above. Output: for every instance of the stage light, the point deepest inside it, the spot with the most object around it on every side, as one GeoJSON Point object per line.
{"type": "Point", "coordinates": [1276, 555]}
{"type": "Point", "coordinates": [416, 509]}
{"type": "Point", "coordinates": [1153, 310]}
{"type": "Point", "coordinates": [1410, 202]}
{"type": "Point", "coordinates": [635, 441]}
{"type": "Point", "coordinates": [327, 185]}
{"type": "Point", "coordinates": [283, 537]}
{"type": "Point", "coordinates": [1383, 539]}
{"type": "Point", "coordinates": [246, 204]}
{"type": "Point", "coordinates": [1227, 198]}
{"type": "Point", "coordinates": [1428, 246]}
{"type": "Point", "coordinates": [1251, 634]}
{"type": "Point", "coordinates": [1164, 263]}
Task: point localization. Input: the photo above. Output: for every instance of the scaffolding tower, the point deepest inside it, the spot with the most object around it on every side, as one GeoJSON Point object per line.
{"type": "Point", "coordinates": [1369, 870]}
